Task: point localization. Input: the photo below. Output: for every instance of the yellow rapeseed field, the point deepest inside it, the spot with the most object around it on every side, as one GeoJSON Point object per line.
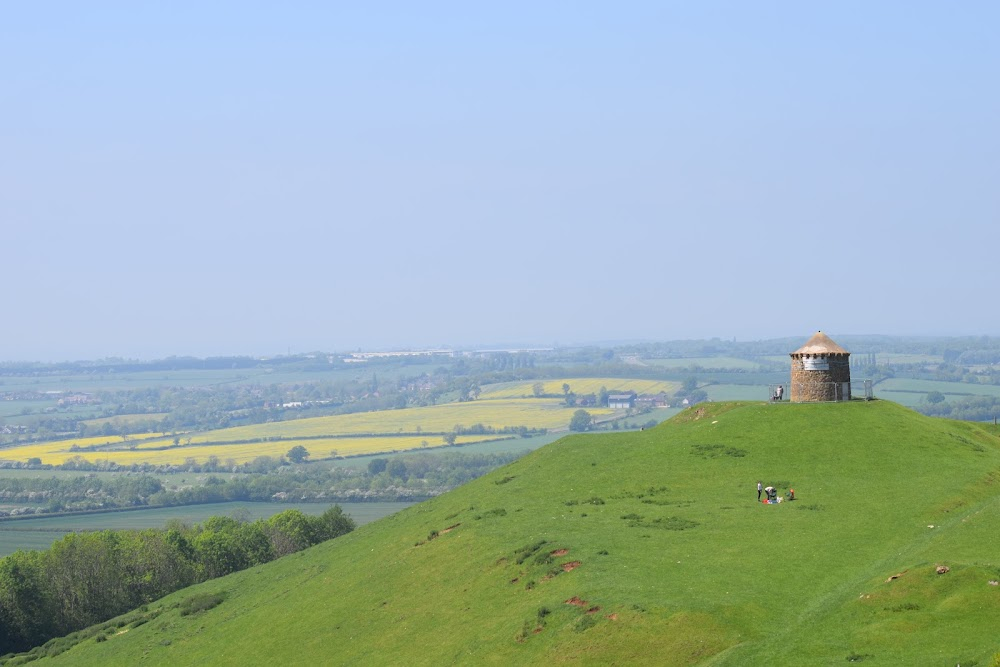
{"type": "Point", "coordinates": [48, 452]}
{"type": "Point", "coordinates": [533, 413]}
{"type": "Point", "coordinates": [426, 422]}
{"type": "Point", "coordinates": [58, 452]}
{"type": "Point", "coordinates": [579, 386]}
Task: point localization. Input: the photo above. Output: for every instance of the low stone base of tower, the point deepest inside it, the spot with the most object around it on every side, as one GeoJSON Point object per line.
{"type": "Point", "coordinates": [818, 392]}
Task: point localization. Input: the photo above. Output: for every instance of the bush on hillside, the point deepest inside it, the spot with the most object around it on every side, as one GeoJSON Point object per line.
{"type": "Point", "coordinates": [202, 602]}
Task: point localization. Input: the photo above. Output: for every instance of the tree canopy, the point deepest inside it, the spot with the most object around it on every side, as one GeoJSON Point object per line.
{"type": "Point", "coordinates": [297, 454]}
{"type": "Point", "coordinates": [581, 421]}
{"type": "Point", "coordinates": [86, 578]}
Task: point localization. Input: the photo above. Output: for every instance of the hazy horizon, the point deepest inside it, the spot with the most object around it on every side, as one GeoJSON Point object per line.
{"type": "Point", "coordinates": [509, 346]}
{"type": "Point", "coordinates": [231, 178]}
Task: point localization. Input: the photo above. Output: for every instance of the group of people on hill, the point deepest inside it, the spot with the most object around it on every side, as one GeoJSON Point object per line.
{"type": "Point", "coordinates": [772, 493]}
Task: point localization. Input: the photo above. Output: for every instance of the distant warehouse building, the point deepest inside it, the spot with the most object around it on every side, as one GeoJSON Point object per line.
{"type": "Point", "coordinates": [621, 401]}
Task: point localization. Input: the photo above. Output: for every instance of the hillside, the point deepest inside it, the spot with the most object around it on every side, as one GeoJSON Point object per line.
{"type": "Point", "coordinates": [641, 548]}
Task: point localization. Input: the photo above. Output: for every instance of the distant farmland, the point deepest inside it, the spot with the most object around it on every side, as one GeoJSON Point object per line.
{"type": "Point", "coordinates": [911, 392]}
{"type": "Point", "coordinates": [737, 392]}
{"type": "Point", "coordinates": [579, 386]}
{"type": "Point", "coordinates": [728, 363]}
{"type": "Point", "coordinates": [533, 413]}
{"type": "Point", "coordinates": [58, 452]}
{"type": "Point", "coordinates": [347, 435]}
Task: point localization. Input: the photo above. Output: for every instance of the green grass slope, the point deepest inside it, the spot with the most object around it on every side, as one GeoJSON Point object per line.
{"type": "Point", "coordinates": [641, 548]}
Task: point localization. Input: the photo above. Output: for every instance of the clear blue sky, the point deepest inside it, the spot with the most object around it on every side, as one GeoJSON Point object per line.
{"type": "Point", "coordinates": [209, 178]}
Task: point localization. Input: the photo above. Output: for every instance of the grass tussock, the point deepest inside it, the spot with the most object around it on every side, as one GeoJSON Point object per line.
{"type": "Point", "coordinates": [715, 451]}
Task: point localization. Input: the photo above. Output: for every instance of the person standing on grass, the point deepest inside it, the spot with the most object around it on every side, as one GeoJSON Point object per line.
{"type": "Point", "coordinates": [760, 487]}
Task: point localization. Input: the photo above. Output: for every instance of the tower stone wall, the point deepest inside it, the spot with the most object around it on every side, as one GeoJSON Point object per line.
{"type": "Point", "coordinates": [821, 371]}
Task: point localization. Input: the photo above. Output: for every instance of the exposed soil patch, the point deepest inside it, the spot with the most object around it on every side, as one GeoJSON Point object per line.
{"type": "Point", "coordinates": [450, 528]}
{"type": "Point", "coordinates": [613, 617]}
{"type": "Point", "coordinates": [594, 609]}
{"type": "Point", "coordinates": [896, 576]}
{"type": "Point", "coordinates": [559, 552]}
{"type": "Point", "coordinates": [576, 601]}
{"type": "Point", "coordinates": [569, 567]}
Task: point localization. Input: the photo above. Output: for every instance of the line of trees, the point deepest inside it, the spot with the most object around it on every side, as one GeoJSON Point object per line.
{"type": "Point", "coordinates": [163, 409]}
{"type": "Point", "coordinates": [410, 477]}
{"type": "Point", "coordinates": [81, 493]}
{"type": "Point", "coordinates": [967, 408]}
{"type": "Point", "coordinates": [87, 578]}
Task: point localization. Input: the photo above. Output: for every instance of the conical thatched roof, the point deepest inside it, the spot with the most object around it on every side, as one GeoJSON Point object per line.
{"type": "Point", "coordinates": [820, 343]}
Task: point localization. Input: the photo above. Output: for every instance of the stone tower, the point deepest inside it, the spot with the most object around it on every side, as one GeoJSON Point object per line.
{"type": "Point", "coordinates": [821, 371]}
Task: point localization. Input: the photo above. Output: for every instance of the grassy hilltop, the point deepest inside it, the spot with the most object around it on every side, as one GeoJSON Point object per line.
{"type": "Point", "coordinates": [640, 548]}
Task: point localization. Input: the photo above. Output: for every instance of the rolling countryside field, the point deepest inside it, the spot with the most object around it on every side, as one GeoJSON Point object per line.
{"type": "Point", "coordinates": [640, 548]}
{"type": "Point", "coordinates": [706, 362]}
{"type": "Point", "coordinates": [579, 386]}
{"type": "Point", "coordinates": [737, 392]}
{"type": "Point", "coordinates": [533, 413]}
{"type": "Point", "coordinates": [912, 392]}
{"type": "Point", "coordinates": [160, 450]}
{"type": "Point", "coordinates": [192, 377]}
{"type": "Point", "coordinates": [347, 435]}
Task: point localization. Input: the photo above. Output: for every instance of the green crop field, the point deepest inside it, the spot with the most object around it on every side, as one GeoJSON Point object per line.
{"type": "Point", "coordinates": [125, 419]}
{"type": "Point", "coordinates": [118, 381]}
{"type": "Point", "coordinates": [484, 447]}
{"type": "Point", "coordinates": [191, 377]}
{"type": "Point", "coordinates": [924, 386]}
{"type": "Point", "coordinates": [9, 410]}
{"type": "Point", "coordinates": [39, 533]}
{"type": "Point", "coordinates": [899, 358]}
{"type": "Point", "coordinates": [777, 358]}
{"type": "Point", "coordinates": [642, 548]}
{"type": "Point", "coordinates": [737, 392]}
{"type": "Point", "coordinates": [913, 392]}
{"type": "Point", "coordinates": [579, 386]}
{"type": "Point", "coordinates": [727, 363]}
